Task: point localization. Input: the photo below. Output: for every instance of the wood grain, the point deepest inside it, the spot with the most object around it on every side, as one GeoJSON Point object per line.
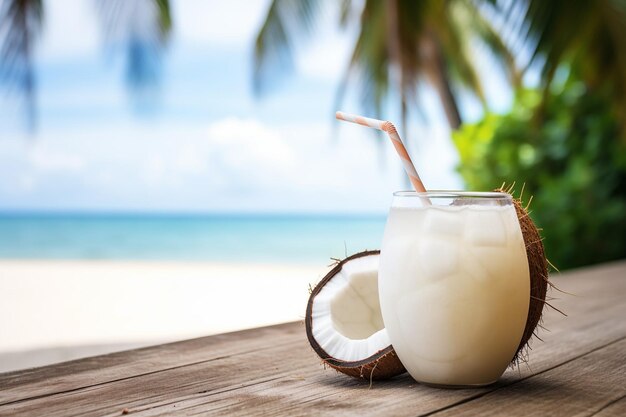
{"type": "Point", "coordinates": [72, 375]}
{"type": "Point", "coordinates": [616, 408]}
{"type": "Point", "coordinates": [273, 371]}
{"type": "Point", "coordinates": [580, 387]}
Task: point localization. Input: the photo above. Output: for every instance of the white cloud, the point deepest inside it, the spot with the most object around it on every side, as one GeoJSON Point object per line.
{"type": "Point", "coordinates": [325, 60]}
{"type": "Point", "coordinates": [70, 29]}
{"type": "Point", "coordinates": [190, 161]}
{"type": "Point", "coordinates": [154, 172]}
{"type": "Point", "coordinates": [233, 164]}
{"type": "Point", "coordinates": [249, 146]}
{"type": "Point", "coordinates": [42, 158]}
{"type": "Point", "coordinates": [232, 22]}
{"type": "Point", "coordinates": [231, 152]}
{"type": "Point", "coordinates": [26, 183]}
{"type": "Point", "coordinates": [327, 53]}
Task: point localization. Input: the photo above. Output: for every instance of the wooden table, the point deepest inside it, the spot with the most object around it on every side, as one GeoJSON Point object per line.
{"type": "Point", "coordinates": [579, 370]}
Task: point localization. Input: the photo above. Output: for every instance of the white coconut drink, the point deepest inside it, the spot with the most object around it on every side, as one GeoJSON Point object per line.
{"type": "Point", "coordinates": [462, 287]}
{"type": "Point", "coordinates": [454, 285]}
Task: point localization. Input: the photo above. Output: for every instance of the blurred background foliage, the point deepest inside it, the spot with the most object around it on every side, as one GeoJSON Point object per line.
{"type": "Point", "coordinates": [565, 140]}
{"type": "Point", "coordinates": [138, 30]}
{"type": "Point", "coordinates": [564, 137]}
{"type": "Point", "coordinates": [564, 149]}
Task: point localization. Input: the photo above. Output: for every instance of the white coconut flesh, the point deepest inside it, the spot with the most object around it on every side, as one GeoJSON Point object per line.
{"type": "Point", "coordinates": [346, 318]}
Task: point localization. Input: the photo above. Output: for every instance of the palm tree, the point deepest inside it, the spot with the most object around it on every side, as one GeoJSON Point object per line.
{"type": "Point", "coordinates": [142, 26]}
{"type": "Point", "coordinates": [428, 39]}
{"type": "Point", "coordinates": [586, 37]}
{"type": "Point", "coordinates": [400, 43]}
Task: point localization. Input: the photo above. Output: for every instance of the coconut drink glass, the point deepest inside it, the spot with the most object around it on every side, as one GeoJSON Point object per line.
{"type": "Point", "coordinates": [454, 285]}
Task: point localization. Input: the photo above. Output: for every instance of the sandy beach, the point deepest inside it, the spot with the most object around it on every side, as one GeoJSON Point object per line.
{"type": "Point", "coordinates": [51, 311]}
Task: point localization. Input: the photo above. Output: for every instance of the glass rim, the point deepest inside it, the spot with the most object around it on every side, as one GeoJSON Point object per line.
{"type": "Point", "coordinates": [497, 195]}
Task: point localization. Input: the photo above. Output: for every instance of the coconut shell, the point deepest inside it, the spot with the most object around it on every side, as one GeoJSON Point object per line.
{"type": "Point", "coordinates": [381, 365]}
{"type": "Point", "coordinates": [385, 364]}
{"type": "Point", "coordinates": [538, 268]}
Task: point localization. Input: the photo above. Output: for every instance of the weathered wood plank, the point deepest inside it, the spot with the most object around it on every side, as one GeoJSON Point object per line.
{"type": "Point", "coordinates": [273, 371]}
{"type": "Point", "coordinates": [615, 409]}
{"type": "Point", "coordinates": [339, 395]}
{"type": "Point", "coordinates": [68, 376]}
{"type": "Point", "coordinates": [329, 394]}
{"type": "Point", "coordinates": [220, 374]}
{"type": "Point", "coordinates": [580, 387]}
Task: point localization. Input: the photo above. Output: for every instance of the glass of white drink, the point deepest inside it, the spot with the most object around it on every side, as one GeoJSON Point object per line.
{"type": "Point", "coordinates": [454, 285]}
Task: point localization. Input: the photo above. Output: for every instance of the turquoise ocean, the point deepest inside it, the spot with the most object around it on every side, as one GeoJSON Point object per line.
{"type": "Point", "coordinates": [310, 239]}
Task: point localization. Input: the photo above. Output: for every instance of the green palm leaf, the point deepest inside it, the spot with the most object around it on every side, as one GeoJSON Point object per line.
{"type": "Point", "coordinates": [585, 37]}
{"type": "Point", "coordinates": [400, 44]}
{"type": "Point", "coordinates": [285, 21]}
{"type": "Point", "coordinates": [20, 25]}
{"type": "Point", "coordinates": [141, 28]}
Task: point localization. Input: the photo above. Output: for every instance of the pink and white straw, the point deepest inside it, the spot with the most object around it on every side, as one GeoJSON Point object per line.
{"type": "Point", "coordinates": [390, 129]}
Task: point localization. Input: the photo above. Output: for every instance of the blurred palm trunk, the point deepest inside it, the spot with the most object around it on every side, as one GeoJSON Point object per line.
{"type": "Point", "coordinates": [395, 50]}
{"type": "Point", "coordinates": [435, 67]}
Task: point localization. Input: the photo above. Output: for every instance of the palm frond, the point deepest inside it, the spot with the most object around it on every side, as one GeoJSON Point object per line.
{"type": "Point", "coordinates": [165, 16]}
{"type": "Point", "coordinates": [399, 44]}
{"type": "Point", "coordinates": [20, 24]}
{"type": "Point", "coordinates": [494, 40]}
{"type": "Point", "coordinates": [273, 47]}
{"type": "Point", "coordinates": [407, 28]}
{"type": "Point", "coordinates": [140, 28]}
{"type": "Point", "coordinates": [367, 68]}
{"type": "Point", "coordinates": [371, 58]}
{"type": "Point", "coordinates": [457, 49]}
{"type": "Point", "coordinates": [345, 12]}
{"type": "Point", "coordinates": [584, 38]}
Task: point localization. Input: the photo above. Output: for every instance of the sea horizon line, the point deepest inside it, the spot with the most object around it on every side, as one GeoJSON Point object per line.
{"type": "Point", "coordinates": [163, 214]}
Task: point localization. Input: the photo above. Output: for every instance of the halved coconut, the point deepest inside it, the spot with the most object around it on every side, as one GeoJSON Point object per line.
{"type": "Point", "coordinates": [344, 324]}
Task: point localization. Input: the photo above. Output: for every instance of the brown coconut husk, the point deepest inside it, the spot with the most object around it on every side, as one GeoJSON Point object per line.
{"type": "Point", "coordinates": [538, 268]}
{"type": "Point", "coordinates": [381, 365]}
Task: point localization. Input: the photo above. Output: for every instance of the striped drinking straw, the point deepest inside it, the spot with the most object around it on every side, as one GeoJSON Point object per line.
{"type": "Point", "coordinates": [390, 129]}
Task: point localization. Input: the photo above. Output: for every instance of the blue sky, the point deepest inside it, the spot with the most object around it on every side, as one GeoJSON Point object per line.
{"type": "Point", "coordinates": [205, 143]}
